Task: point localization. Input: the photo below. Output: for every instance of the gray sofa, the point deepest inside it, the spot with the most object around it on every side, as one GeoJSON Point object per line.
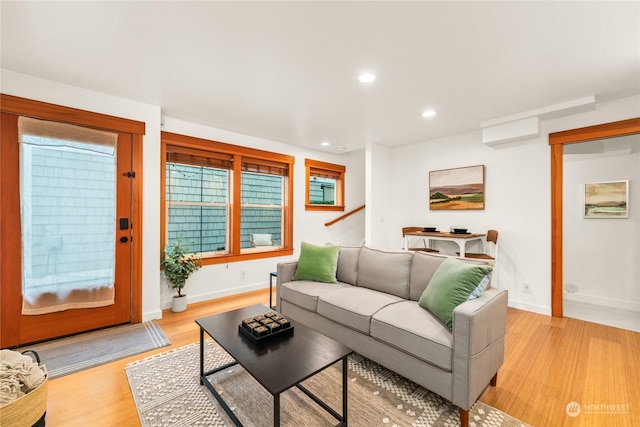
{"type": "Point", "coordinates": [373, 309]}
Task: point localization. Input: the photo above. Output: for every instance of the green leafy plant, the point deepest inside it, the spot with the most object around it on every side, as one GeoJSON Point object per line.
{"type": "Point", "coordinates": [178, 265]}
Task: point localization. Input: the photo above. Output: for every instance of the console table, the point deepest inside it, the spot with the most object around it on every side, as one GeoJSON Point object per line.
{"type": "Point", "coordinates": [460, 239]}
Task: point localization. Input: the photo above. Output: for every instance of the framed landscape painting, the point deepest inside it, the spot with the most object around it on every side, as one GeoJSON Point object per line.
{"type": "Point", "coordinates": [606, 200]}
{"type": "Point", "coordinates": [457, 189]}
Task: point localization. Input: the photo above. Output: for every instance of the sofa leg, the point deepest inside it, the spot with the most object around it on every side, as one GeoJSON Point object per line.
{"type": "Point", "coordinates": [464, 417]}
{"type": "Point", "coordinates": [494, 380]}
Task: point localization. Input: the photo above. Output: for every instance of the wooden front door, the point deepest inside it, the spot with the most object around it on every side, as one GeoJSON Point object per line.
{"type": "Point", "coordinates": [50, 260]}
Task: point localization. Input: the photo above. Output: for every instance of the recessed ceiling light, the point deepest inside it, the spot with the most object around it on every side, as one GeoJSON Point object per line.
{"type": "Point", "coordinates": [325, 143]}
{"type": "Point", "coordinates": [428, 113]}
{"type": "Point", "coordinates": [367, 78]}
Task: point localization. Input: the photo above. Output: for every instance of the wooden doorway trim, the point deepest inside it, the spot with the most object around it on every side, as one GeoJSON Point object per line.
{"type": "Point", "coordinates": [557, 141]}
{"type": "Point", "coordinates": [42, 110]}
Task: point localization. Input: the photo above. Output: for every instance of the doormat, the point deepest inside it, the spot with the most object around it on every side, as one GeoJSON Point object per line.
{"type": "Point", "coordinates": [72, 354]}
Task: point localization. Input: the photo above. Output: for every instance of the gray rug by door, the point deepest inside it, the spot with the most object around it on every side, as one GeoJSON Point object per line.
{"type": "Point", "coordinates": [76, 353]}
{"type": "Point", "coordinates": [167, 392]}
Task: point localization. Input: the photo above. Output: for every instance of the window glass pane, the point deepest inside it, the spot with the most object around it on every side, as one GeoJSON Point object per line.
{"type": "Point", "coordinates": [322, 191]}
{"type": "Point", "coordinates": [262, 210]}
{"type": "Point", "coordinates": [68, 216]}
{"type": "Point", "coordinates": [197, 202]}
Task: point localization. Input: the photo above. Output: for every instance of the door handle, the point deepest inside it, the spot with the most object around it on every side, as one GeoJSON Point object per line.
{"type": "Point", "coordinates": [124, 239]}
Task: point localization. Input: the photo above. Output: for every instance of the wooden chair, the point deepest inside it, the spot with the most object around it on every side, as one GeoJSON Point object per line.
{"type": "Point", "coordinates": [490, 254]}
{"type": "Point", "coordinates": [405, 240]}
{"type": "Point", "coordinates": [491, 248]}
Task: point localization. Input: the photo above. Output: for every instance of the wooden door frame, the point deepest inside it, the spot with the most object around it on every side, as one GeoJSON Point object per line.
{"type": "Point", "coordinates": [557, 140]}
{"type": "Point", "coordinates": [42, 110]}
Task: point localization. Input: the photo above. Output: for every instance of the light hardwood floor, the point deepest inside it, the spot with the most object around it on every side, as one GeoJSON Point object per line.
{"type": "Point", "coordinates": [549, 363]}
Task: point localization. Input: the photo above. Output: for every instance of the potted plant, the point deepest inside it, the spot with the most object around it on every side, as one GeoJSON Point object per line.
{"type": "Point", "coordinates": [178, 265]}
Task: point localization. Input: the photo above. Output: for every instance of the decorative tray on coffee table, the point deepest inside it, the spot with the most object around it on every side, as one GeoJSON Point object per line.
{"type": "Point", "coordinates": [265, 327]}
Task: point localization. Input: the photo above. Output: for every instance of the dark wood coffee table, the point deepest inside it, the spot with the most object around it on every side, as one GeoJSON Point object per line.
{"type": "Point", "coordinates": [289, 361]}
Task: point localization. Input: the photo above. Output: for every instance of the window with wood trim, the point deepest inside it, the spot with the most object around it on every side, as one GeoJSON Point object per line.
{"type": "Point", "coordinates": [226, 202]}
{"type": "Point", "coordinates": [325, 186]}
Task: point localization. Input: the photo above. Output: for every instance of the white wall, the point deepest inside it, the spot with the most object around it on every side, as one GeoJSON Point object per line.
{"type": "Point", "coordinates": [215, 280]}
{"type": "Point", "coordinates": [601, 255]}
{"type": "Point", "coordinates": [378, 189]}
{"type": "Point", "coordinates": [351, 230]}
{"type": "Point", "coordinates": [395, 183]}
{"type": "Point", "coordinates": [517, 197]}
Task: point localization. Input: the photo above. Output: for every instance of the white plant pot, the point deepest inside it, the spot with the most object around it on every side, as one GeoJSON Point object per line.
{"type": "Point", "coordinates": [179, 304]}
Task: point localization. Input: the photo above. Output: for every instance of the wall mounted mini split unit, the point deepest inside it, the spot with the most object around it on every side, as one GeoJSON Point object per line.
{"type": "Point", "coordinates": [523, 126]}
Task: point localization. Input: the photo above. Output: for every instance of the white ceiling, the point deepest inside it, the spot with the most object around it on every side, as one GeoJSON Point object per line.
{"type": "Point", "coordinates": [287, 71]}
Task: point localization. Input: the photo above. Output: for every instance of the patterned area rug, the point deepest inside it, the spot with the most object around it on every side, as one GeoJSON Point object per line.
{"type": "Point", "coordinates": [167, 392]}
{"type": "Point", "coordinates": [72, 354]}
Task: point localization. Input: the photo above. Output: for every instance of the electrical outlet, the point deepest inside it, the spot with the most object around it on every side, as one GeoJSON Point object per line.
{"type": "Point", "coordinates": [526, 287]}
{"type": "Point", "coordinates": [243, 274]}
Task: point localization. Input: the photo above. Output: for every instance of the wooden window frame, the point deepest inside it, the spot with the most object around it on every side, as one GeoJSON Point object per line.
{"type": "Point", "coordinates": [239, 155]}
{"type": "Point", "coordinates": [338, 171]}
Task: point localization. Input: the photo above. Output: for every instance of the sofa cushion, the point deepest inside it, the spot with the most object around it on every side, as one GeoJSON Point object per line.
{"type": "Point", "coordinates": [353, 306]}
{"type": "Point", "coordinates": [348, 264]}
{"type": "Point", "coordinates": [450, 286]}
{"type": "Point", "coordinates": [482, 286]}
{"type": "Point", "coordinates": [304, 293]}
{"type": "Point", "coordinates": [422, 268]}
{"type": "Point", "coordinates": [408, 327]}
{"type": "Point", "coordinates": [317, 263]}
{"type": "Point", "coordinates": [385, 271]}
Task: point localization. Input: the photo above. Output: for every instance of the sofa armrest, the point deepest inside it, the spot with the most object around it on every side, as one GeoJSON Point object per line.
{"type": "Point", "coordinates": [479, 328]}
{"type": "Point", "coordinates": [285, 270]}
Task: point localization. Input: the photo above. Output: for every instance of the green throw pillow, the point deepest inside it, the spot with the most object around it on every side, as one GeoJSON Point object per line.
{"type": "Point", "coordinates": [451, 284]}
{"type": "Point", "coordinates": [318, 263]}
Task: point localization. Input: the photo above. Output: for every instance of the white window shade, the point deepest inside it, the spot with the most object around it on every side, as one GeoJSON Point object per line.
{"type": "Point", "coordinates": [64, 134]}
{"type": "Point", "coordinates": [68, 209]}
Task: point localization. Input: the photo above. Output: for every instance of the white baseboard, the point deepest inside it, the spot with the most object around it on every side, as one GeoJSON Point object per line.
{"type": "Point", "coordinates": [588, 299]}
{"type": "Point", "coordinates": [226, 293]}
{"type": "Point", "coordinates": [153, 315]}
{"type": "Point", "coordinates": [540, 309]}
{"type": "Point", "coordinates": [603, 301]}
{"type": "Point", "coordinates": [191, 299]}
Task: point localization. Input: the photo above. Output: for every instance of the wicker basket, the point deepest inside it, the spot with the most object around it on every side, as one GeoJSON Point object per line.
{"type": "Point", "coordinates": [28, 410]}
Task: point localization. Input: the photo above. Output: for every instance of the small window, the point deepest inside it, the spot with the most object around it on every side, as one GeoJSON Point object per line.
{"type": "Point", "coordinates": [325, 186]}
